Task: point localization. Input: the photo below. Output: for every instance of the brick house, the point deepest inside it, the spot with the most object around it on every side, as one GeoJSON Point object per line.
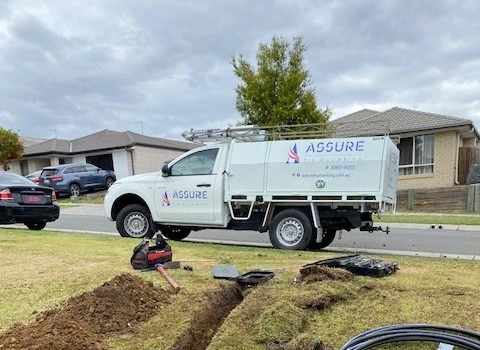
{"type": "Point", "coordinates": [429, 143]}
{"type": "Point", "coordinates": [126, 153]}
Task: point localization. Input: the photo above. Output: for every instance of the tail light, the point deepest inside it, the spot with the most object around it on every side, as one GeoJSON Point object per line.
{"type": "Point", "coordinates": [56, 178]}
{"type": "Point", "coordinates": [54, 196]}
{"type": "Point", "coordinates": [5, 194]}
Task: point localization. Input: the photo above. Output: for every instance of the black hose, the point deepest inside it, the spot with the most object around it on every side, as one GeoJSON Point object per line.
{"type": "Point", "coordinates": [463, 338]}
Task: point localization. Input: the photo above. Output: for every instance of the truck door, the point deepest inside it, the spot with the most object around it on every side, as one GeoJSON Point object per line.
{"type": "Point", "coordinates": [192, 191]}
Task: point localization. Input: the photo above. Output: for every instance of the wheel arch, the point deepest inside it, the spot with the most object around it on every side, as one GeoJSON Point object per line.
{"type": "Point", "coordinates": [124, 200]}
{"type": "Point", "coordinates": [278, 207]}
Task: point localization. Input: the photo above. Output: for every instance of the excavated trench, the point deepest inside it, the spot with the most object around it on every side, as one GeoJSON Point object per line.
{"type": "Point", "coordinates": [205, 323]}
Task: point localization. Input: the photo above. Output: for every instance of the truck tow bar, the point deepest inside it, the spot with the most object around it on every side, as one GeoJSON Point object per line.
{"type": "Point", "coordinates": [374, 228]}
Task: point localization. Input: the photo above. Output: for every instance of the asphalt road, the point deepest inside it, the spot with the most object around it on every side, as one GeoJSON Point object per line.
{"type": "Point", "coordinates": [401, 241]}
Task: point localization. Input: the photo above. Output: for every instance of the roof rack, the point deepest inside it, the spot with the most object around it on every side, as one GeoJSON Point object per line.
{"type": "Point", "coordinates": [249, 133]}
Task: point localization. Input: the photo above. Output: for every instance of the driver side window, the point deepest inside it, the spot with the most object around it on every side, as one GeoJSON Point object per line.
{"type": "Point", "coordinates": [199, 163]}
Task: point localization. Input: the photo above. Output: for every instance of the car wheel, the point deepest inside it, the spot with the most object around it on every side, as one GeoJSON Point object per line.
{"type": "Point", "coordinates": [134, 221]}
{"type": "Point", "coordinates": [175, 233]}
{"type": "Point", "coordinates": [327, 238]}
{"type": "Point", "coordinates": [109, 182]}
{"type": "Point", "coordinates": [36, 225]}
{"type": "Point", "coordinates": [290, 229]}
{"type": "Point", "coordinates": [74, 190]}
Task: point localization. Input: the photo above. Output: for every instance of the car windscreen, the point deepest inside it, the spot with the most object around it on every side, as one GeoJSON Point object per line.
{"type": "Point", "coordinates": [48, 172]}
{"type": "Point", "coordinates": [11, 179]}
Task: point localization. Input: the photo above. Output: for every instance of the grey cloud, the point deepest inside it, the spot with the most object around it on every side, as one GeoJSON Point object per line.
{"type": "Point", "coordinates": [111, 63]}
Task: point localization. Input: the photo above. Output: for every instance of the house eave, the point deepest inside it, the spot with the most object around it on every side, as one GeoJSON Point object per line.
{"type": "Point", "coordinates": [457, 128]}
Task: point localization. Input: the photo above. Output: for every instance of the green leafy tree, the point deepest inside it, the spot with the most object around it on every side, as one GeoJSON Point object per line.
{"type": "Point", "coordinates": [279, 91]}
{"type": "Point", "coordinates": [10, 147]}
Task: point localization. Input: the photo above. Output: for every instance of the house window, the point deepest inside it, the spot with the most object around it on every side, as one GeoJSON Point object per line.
{"type": "Point", "coordinates": [416, 155]}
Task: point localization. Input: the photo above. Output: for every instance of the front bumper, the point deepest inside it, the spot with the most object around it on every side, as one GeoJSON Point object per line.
{"type": "Point", "coordinates": [15, 213]}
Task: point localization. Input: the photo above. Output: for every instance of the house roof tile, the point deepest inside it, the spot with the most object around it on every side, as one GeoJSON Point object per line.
{"type": "Point", "coordinates": [357, 116]}
{"type": "Point", "coordinates": [105, 139]}
{"type": "Point", "coordinates": [52, 146]}
{"type": "Point", "coordinates": [400, 120]}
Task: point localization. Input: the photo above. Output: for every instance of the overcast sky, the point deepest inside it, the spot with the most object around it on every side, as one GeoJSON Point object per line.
{"type": "Point", "coordinates": [77, 67]}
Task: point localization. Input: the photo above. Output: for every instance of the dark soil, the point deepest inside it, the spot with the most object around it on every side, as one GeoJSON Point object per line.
{"type": "Point", "coordinates": [315, 273]}
{"type": "Point", "coordinates": [209, 318]}
{"type": "Point", "coordinates": [84, 321]}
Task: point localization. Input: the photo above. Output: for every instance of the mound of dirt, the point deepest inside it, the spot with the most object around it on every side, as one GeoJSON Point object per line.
{"type": "Point", "coordinates": [83, 321]}
{"type": "Point", "coordinates": [315, 273]}
{"type": "Point", "coordinates": [60, 332]}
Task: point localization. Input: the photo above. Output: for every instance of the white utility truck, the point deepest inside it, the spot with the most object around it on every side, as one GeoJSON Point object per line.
{"type": "Point", "coordinates": [300, 190]}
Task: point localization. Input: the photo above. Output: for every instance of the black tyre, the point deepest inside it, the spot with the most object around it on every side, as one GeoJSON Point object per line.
{"type": "Point", "coordinates": [290, 229]}
{"type": "Point", "coordinates": [327, 238]}
{"type": "Point", "coordinates": [109, 182]}
{"type": "Point", "coordinates": [74, 189]}
{"type": "Point", "coordinates": [36, 225]}
{"type": "Point", "coordinates": [134, 221]}
{"type": "Point", "coordinates": [175, 233]}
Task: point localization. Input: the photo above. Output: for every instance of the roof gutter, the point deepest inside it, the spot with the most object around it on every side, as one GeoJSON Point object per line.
{"type": "Point", "coordinates": [458, 151]}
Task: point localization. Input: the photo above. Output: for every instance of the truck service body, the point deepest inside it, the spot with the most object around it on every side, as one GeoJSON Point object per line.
{"type": "Point", "coordinates": [301, 191]}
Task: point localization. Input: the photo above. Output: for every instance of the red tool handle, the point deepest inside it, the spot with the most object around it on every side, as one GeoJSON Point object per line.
{"type": "Point", "coordinates": [169, 279]}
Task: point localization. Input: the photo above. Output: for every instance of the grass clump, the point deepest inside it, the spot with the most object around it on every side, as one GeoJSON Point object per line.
{"type": "Point", "coordinates": [280, 323]}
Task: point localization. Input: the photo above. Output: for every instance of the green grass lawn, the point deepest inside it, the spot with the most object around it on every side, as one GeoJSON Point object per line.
{"type": "Point", "coordinates": [84, 198]}
{"type": "Point", "coordinates": [444, 219]}
{"type": "Point", "coordinates": [40, 269]}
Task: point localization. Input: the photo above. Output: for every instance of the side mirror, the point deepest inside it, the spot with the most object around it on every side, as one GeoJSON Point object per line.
{"type": "Point", "coordinates": [165, 170]}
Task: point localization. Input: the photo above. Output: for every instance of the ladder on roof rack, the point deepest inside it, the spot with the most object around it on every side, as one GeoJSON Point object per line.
{"type": "Point", "coordinates": [249, 133]}
{"type": "Point", "coordinates": [244, 133]}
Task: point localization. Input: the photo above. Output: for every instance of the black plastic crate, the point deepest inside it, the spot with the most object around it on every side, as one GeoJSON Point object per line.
{"type": "Point", "coordinates": [360, 266]}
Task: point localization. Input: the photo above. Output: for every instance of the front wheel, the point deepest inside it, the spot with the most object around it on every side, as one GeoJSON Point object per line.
{"type": "Point", "coordinates": [290, 229]}
{"type": "Point", "coordinates": [134, 221]}
{"type": "Point", "coordinates": [175, 233]}
{"type": "Point", "coordinates": [36, 225]}
{"type": "Point", "coordinates": [327, 238]}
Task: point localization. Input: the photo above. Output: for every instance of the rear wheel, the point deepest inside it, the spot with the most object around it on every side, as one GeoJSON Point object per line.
{"type": "Point", "coordinates": [134, 221]}
{"type": "Point", "coordinates": [109, 182]}
{"type": "Point", "coordinates": [36, 225]}
{"type": "Point", "coordinates": [74, 190]}
{"type": "Point", "coordinates": [175, 233]}
{"type": "Point", "coordinates": [290, 229]}
{"type": "Point", "coordinates": [327, 238]}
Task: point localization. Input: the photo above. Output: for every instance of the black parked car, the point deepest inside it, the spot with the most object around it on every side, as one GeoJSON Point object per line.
{"type": "Point", "coordinates": [72, 179]}
{"type": "Point", "coordinates": [22, 201]}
